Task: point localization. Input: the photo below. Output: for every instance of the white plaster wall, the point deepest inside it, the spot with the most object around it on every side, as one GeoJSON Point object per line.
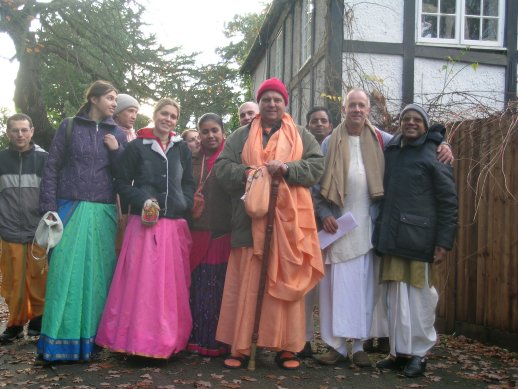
{"type": "Point", "coordinates": [465, 91]}
{"type": "Point", "coordinates": [374, 71]}
{"type": "Point", "coordinates": [374, 20]}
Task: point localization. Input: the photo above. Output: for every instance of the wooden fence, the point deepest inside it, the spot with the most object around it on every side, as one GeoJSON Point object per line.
{"type": "Point", "coordinates": [478, 285]}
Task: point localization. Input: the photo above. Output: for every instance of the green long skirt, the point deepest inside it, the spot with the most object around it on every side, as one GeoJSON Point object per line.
{"type": "Point", "coordinates": [80, 271]}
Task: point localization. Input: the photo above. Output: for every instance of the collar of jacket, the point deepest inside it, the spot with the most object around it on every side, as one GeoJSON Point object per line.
{"type": "Point", "coordinates": [107, 121]}
{"type": "Point", "coordinates": [32, 147]}
{"type": "Point", "coordinates": [435, 137]}
{"type": "Point", "coordinates": [155, 146]}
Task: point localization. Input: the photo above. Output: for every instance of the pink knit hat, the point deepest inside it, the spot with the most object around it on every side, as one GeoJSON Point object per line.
{"type": "Point", "coordinates": [273, 84]}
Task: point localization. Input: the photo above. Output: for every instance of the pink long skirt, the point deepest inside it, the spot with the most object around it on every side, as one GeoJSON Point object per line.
{"type": "Point", "coordinates": [147, 312]}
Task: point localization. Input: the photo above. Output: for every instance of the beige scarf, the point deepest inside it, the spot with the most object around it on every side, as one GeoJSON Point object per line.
{"type": "Point", "coordinates": [334, 181]}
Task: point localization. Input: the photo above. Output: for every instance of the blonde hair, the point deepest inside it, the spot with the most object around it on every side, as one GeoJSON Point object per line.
{"type": "Point", "coordinates": [166, 101]}
{"type": "Point", "coordinates": [186, 132]}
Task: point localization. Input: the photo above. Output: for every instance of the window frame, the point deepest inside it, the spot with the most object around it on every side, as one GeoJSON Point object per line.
{"type": "Point", "coordinates": [306, 25]}
{"type": "Point", "coordinates": [460, 22]}
{"type": "Point", "coordinates": [278, 54]}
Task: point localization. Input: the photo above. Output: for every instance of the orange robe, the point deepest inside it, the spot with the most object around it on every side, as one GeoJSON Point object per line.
{"type": "Point", "coordinates": [23, 281]}
{"type": "Point", "coordinates": [295, 262]}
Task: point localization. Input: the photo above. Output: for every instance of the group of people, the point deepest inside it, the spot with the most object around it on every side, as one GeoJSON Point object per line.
{"type": "Point", "coordinates": [189, 268]}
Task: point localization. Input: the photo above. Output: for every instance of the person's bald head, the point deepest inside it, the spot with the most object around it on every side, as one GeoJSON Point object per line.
{"type": "Point", "coordinates": [247, 112]}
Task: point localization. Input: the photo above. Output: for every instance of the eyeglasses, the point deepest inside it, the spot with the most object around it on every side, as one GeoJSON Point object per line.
{"type": "Point", "coordinates": [23, 131]}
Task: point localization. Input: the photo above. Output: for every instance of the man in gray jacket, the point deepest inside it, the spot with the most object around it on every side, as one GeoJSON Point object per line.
{"type": "Point", "coordinates": [23, 277]}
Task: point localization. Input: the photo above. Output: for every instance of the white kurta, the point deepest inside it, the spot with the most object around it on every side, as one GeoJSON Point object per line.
{"type": "Point", "coordinates": [349, 285]}
{"type": "Point", "coordinates": [357, 201]}
{"type": "Point", "coordinates": [379, 328]}
{"type": "Point", "coordinates": [411, 317]}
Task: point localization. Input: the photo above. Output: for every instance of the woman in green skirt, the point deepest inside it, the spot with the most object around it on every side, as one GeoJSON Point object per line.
{"type": "Point", "coordinates": [77, 183]}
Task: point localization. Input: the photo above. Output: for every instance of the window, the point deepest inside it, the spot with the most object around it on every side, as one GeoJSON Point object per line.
{"type": "Point", "coordinates": [277, 57]}
{"type": "Point", "coordinates": [307, 28]}
{"type": "Point", "coordinates": [466, 22]}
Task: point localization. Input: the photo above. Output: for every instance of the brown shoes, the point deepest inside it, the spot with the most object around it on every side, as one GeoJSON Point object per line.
{"type": "Point", "coordinates": [331, 357]}
{"type": "Point", "coordinates": [361, 359]}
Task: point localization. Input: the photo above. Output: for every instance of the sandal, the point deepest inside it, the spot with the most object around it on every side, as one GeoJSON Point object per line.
{"type": "Point", "coordinates": [286, 356]}
{"type": "Point", "coordinates": [242, 359]}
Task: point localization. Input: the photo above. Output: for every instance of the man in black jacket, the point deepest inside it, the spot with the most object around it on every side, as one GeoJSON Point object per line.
{"type": "Point", "coordinates": [415, 229]}
{"type": "Point", "coordinates": [24, 278]}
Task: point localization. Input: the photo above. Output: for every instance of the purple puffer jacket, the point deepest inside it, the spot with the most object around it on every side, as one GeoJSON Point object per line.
{"type": "Point", "coordinates": [81, 170]}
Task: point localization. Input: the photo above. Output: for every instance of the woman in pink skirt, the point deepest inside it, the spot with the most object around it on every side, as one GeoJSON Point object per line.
{"type": "Point", "coordinates": [147, 312]}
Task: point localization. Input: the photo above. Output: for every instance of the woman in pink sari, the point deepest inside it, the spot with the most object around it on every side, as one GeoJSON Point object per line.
{"type": "Point", "coordinates": [147, 312]}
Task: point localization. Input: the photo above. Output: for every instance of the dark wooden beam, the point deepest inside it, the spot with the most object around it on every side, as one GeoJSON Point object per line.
{"type": "Point", "coordinates": [510, 41]}
{"type": "Point", "coordinates": [408, 52]}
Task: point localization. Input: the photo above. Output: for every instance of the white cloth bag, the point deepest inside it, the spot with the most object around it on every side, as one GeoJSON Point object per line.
{"type": "Point", "coordinates": [49, 232]}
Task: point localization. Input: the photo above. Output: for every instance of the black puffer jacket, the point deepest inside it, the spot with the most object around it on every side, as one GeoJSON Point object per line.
{"type": "Point", "coordinates": [419, 210]}
{"type": "Point", "coordinates": [164, 176]}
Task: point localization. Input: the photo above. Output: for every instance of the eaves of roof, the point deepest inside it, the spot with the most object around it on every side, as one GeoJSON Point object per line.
{"type": "Point", "coordinates": [261, 41]}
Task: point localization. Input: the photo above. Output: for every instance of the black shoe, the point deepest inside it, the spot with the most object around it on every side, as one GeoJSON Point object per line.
{"type": "Point", "coordinates": [11, 333]}
{"type": "Point", "coordinates": [306, 352]}
{"type": "Point", "coordinates": [34, 326]}
{"type": "Point", "coordinates": [39, 361]}
{"type": "Point", "coordinates": [368, 346]}
{"type": "Point", "coordinates": [383, 345]}
{"type": "Point", "coordinates": [392, 363]}
{"type": "Point", "coordinates": [415, 367]}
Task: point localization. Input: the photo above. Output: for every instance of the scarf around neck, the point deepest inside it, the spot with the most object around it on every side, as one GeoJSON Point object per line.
{"type": "Point", "coordinates": [295, 261]}
{"type": "Point", "coordinates": [211, 160]}
{"type": "Point", "coordinates": [333, 185]}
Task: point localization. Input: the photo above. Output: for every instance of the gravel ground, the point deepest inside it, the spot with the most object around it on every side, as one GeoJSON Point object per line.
{"type": "Point", "coordinates": [456, 362]}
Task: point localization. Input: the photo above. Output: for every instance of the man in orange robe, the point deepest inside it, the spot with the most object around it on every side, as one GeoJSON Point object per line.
{"type": "Point", "coordinates": [295, 265]}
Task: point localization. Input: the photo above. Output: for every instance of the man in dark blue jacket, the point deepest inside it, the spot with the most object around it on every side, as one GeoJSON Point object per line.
{"type": "Point", "coordinates": [24, 278]}
{"type": "Point", "coordinates": [415, 229]}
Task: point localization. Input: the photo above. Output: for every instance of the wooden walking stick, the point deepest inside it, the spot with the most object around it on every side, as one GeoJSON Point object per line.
{"type": "Point", "coordinates": [274, 191]}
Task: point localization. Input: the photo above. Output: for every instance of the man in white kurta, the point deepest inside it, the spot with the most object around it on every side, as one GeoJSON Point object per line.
{"type": "Point", "coordinates": [346, 297]}
{"type": "Point", "coordinates": [354, 169]}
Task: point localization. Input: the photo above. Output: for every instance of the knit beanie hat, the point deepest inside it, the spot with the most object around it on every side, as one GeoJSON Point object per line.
{"type": "Point", "coordinates": [273, 84]}
{"type": "Point", "coordinates": [419, 110]}
{"type": "Point", "coordinates": [125, 101]}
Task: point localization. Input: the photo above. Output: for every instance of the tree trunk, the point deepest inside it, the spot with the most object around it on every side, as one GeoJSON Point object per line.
{"type": "Point", "coordinates": [28, 97]}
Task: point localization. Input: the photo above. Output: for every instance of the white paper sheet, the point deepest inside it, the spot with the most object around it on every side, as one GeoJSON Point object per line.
{"type": "Point", "coordinates": [346, 223]}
